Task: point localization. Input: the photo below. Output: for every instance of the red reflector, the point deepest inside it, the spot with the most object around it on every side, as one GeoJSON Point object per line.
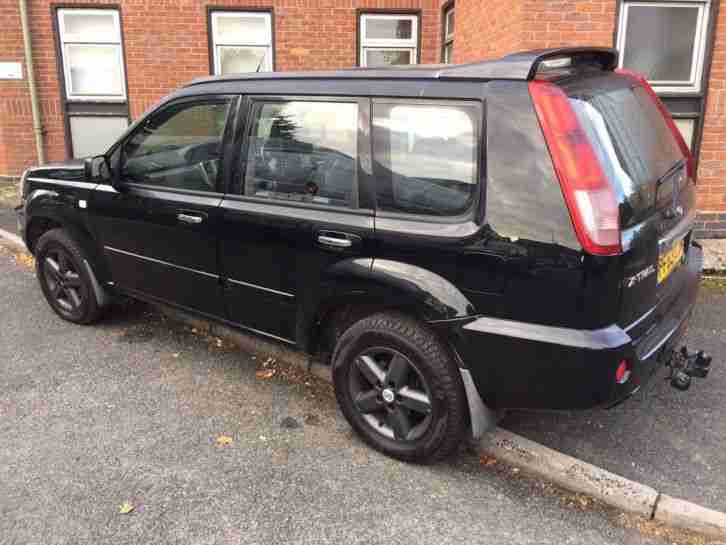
{"type": "Point", "coordinates": [622, 373]}
{"type": "Point", "coordinates": [690, 163]}
{"type": "Point", "coordinates": [590, 198]}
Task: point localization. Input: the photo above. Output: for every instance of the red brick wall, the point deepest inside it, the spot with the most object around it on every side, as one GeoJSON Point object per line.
{"type": "Point", "coordinates": [554, 23]}
{"type": "Point", "coordinates": [166, 45]}
{"type": "Point", "coordinates": [712, 165]}
{"type": "Point", "coordinates": [486, 33]}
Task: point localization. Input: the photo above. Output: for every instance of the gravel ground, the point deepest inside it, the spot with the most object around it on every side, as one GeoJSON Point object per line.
{"type": "Point", "coordinates": [208, 451]}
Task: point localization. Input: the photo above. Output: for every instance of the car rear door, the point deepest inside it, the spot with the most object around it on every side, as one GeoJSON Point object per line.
{"type": "Point", "coordinates": [292, 210]}
{"type": "Point", "coordinates": [159, 226]}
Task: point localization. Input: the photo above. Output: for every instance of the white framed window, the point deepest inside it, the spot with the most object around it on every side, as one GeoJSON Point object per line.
{"type": "Point", "coordinates": [242, 41]}
{"type": "Point", "coordinates": [666, 41]}
{"type": "Point", "coordinates": [388, 39]}
{"type": "Point", "coordinates": [92, 51]}
{"type": "Point", "coordinates": [448, 46]}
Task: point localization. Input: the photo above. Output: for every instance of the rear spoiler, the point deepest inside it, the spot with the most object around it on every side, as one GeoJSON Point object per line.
{"type": "Point", "coordinates": [526, 65]}
{"type": "Point", "coordinates": [606, 57]}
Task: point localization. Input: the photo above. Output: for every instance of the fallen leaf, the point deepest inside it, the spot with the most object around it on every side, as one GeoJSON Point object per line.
{"type": "Point", "coordinates": [264, 374]}
{"type": "Point", "coordinates": [224, 440]}
{"type": "Point", "coordinates": [125, 508]}
{"type": "Point", "coordinates": [26, 260]}
{"type": "Point", "coordinates": [487, 460]}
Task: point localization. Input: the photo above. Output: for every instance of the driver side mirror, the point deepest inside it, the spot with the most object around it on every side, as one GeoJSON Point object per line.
{"type": "Point", "coordinates": [97, 169]}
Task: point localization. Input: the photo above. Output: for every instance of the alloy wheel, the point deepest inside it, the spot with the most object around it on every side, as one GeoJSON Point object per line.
{"type": "Point", "coordinates": [390, 394]}
{"type": "Point", "coordinates": [63, 281]}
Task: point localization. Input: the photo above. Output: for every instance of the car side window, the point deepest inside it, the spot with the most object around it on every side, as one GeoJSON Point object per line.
{"type": "Point", "coordinates": [179, 147]}
{"type": "Point", "coordinates": [303, 151]}
{"type": "Point", "coordinates": [425, 157]}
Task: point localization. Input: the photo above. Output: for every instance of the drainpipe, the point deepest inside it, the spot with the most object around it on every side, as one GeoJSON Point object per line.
{"type": "Point", "coordinates": [37, 125]}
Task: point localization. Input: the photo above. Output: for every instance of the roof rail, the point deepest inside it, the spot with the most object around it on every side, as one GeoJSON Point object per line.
{"type": "Point", "coordinates": [518, 66]}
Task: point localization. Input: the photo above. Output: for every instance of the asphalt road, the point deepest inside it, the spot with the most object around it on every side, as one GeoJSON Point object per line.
{"type": "Point", "coordinates": [130, 410]}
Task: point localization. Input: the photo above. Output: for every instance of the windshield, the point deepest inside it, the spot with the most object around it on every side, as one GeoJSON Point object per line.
{"type": "Point", "coordinates": [633, 142]}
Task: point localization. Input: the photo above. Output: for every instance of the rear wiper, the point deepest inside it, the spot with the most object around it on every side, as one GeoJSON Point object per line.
{"type": "Point", "coordinates": [680, 164]}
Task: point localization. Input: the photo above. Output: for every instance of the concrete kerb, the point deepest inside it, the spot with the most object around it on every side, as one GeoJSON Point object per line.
{"type": "Point", "coordinates": [565, 471]}
{"type": "Point", "coordinates": [250, 343]}
{"type": "Point", "coordinates": [14, 240]}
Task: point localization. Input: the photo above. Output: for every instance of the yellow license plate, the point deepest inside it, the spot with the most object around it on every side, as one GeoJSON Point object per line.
{"type": "Point", "coordinates": [668, 262]}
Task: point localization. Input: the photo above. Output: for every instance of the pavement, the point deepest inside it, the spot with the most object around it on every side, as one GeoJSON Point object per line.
{"type": "Point", "coordinates": [208, 448]}
{"type": "Point", "coordinates": [714, 255]}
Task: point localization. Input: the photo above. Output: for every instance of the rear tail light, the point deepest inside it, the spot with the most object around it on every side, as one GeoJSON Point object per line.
{"type": "Point", "coordinates": [690, 163]}
{"type": "Point", "coordinates": [589, 196]}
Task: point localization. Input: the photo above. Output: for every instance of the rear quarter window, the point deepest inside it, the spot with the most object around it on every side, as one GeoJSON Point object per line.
{"type": "Point", "coordinates": [425, 157]}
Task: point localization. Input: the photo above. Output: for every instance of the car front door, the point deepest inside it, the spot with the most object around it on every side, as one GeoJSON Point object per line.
{"type": "Point", "coordinates": [292, 211]}
{"type": "Point", "coordinates": [159, 224]}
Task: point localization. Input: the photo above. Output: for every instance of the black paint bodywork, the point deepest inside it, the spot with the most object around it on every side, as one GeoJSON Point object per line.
{"type": "Point", "coordinates": [555, 326]}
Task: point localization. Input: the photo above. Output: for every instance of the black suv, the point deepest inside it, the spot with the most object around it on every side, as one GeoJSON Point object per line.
{"type": "Point", "coordinates": [453, 240]}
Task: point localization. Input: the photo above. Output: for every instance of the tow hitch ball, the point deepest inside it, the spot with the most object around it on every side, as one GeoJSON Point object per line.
{"type": "Point", "coordinates": [684, 366]}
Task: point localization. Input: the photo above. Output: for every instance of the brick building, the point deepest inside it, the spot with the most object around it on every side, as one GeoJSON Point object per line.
{"type": "Point", "coordinates": [100, 64]}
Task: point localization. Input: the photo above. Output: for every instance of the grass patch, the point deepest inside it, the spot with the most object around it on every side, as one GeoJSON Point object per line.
{"type": "Point", "coordinates": [714, 284]}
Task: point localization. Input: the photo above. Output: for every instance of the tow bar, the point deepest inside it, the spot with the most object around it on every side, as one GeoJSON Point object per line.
{"type": "Point", "coordinates": [684, 366]}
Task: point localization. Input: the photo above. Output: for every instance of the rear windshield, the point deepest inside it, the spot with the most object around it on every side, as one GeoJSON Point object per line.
{"type": "Point", "coordinates": [634, 144]}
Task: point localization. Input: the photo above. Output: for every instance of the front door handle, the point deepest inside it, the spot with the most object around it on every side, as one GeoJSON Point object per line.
{"type": "Point", "coordinates": [189, 218]}
{"type": "Point", "coordinates": [335, 242]}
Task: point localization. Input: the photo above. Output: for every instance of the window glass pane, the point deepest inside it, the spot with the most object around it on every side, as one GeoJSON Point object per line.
{"type": "Point", "coordinates": [388, 57]}
{"type": "Point", "coordinates": [180, 147]}
{"type": "Point", "coordinates": [93, 135]}
{"type": "Point", "coordinates": [94, 70]}
{"type": "Point", "coordinates": [425, 157]}
{"type": "Point", "coordinates": [659, 41]}
{"type": "Point", "coordinates": [304, 152]}
{"type": "Point", "coordinates": [234, 60]}
{"type": "Point", "coordinates": [388, 28]}
{"type": "Point", "coordinates": [240, 29]}
{"type": "Point", "coordinates": [79, 26]}
{"type": "Point", "coordinates": [686, 126]}
{"type": "Point", "coordinates": [632, 140]}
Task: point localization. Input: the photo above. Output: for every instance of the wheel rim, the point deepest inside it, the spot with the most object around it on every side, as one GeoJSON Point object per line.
{"type": "Point", "coordinates": [63, 281]}
{"type": "Point", "coordinates": [390, 394]}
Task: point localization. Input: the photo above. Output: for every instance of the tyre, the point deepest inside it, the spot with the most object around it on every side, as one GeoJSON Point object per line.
{"type": "Point", "coordinates": [60, 265]}
{"type": "Point", "coordinates": [399, 388]}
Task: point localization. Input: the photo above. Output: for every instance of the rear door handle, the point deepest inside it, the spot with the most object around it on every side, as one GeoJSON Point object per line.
{"type": "Point", "coordinates": [189, 218]}
{"type": "Point", "coordinates": [335, 242]}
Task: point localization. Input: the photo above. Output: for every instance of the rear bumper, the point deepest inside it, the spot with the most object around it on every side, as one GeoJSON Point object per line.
{"type": "Point", "coordinates": [531, 366]}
